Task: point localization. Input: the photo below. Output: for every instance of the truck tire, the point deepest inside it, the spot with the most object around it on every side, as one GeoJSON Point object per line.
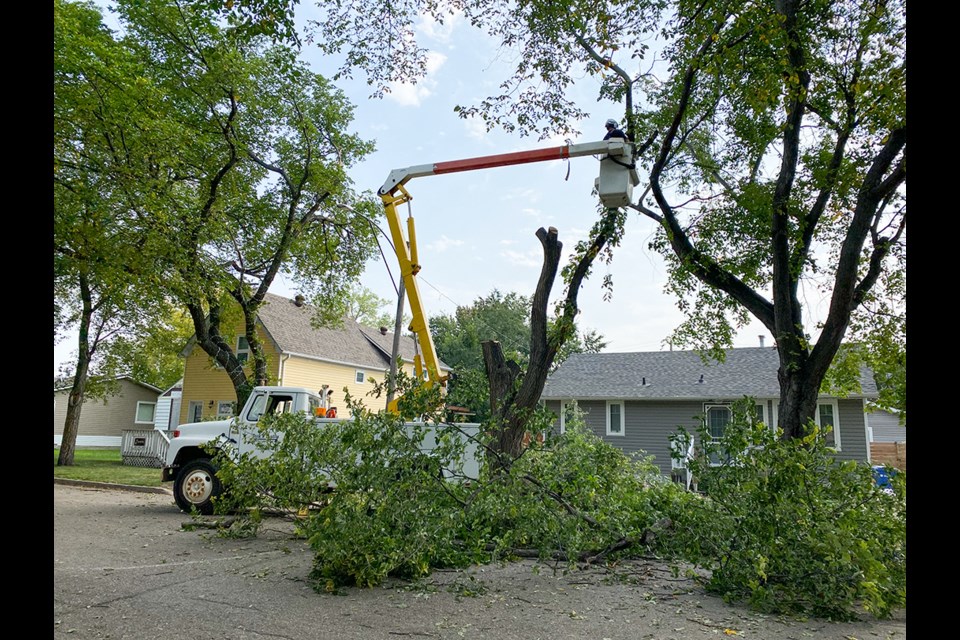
{"type": "Point", "coordinates": [196, 485]}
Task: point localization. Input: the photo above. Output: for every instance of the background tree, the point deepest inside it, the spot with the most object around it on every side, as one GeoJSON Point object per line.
{"type": "Point", "coordinates": [496, 316]}
{"type": "Point", "coordinates": [250, 178]}
{"type": "Point", "coordinates": [504, 318]}
{"type": "Point", "coordinates": [154, 355]}
{"type": "Point", "coordinates": [777, 155]}
{"type": "Point", "coordinates": [104, 282]}
{"type": "Point", "coordinates": [370, 310]}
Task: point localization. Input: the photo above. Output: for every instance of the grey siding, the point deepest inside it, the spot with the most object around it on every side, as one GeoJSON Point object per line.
{"type": "Point", "coordinates": [853, 432]}
{"type": "Point", "coordinates": [886, 426]}
{"type": "Point", "coordinates": [105, 417]}
{"type": "Point", "coordinates": [647, 425]}
{"type": "Point", "coordinates": [650, 425]}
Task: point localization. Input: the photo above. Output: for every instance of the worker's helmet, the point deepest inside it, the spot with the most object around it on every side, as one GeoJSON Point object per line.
{"type": "Point", "coordinates": [611, 123]}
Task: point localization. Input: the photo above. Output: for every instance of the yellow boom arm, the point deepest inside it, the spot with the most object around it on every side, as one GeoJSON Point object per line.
{"type": "Point", "coordinates": [393, 193]}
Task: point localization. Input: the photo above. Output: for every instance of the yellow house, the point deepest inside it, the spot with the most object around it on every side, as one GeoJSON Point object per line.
{"type": "Point", "coordinates": [350, 357]}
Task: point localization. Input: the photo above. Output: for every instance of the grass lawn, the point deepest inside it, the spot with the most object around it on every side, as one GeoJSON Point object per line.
{"type": "Point", "coordinates": [105, 465]}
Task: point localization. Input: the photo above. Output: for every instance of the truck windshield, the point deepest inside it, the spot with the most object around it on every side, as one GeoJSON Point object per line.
{"type": "Point", "coordinates": [269, 404]}
{"type": "Point", "coordinates": [256, 408]}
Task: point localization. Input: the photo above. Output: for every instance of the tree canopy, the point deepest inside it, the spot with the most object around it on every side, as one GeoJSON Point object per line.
{"type": "Point", "coordinates": [106, 284]}
{"type": "Point", "coordinates": [776, 159]}
{"type": "Point", "coordinates": [505, 318]}
{"type": "Point", "coordinates": [245, 176]}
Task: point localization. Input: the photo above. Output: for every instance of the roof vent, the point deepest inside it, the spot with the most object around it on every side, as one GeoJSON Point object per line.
{"type": "Point", "coordinates": [761, 339]}
{"type": "Point", "coordinates": [298, 300]}
{"type": "Point", "coordinates": [643, 381]}
{"type": "Point", "coordinates": [700, 381]}
{"type": "Point", "coordinates": [383, 331]}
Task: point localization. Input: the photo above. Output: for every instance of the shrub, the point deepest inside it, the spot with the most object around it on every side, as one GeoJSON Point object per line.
{"type": "Point", "coordinates": [790, 528]}
{"type": "Point", "coordinates": [392, 514]}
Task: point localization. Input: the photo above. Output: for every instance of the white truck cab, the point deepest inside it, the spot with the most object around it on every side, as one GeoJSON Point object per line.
{"type": "Point", "coordinates": [189, 462]}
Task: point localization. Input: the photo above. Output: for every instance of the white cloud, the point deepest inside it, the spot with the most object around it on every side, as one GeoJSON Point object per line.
{"type": "Point", "coordinates": [532, 258]}
{"type": "Point", "coordinates": [443, 244]}
{"type": "Point", "coordinates": [407, 94]}
{"type": "Point", "coordinates": [522, 193]}
{"type": "Point", "coordinates": [434, 30]}
{"type": "Point", "coordinates": [476, 129]}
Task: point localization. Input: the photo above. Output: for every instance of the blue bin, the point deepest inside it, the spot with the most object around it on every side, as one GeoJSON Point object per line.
{"type": "Point", "coordinates": [882, 476]}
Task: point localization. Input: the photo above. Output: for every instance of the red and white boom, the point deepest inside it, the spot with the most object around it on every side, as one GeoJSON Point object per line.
{"type": "Point", "coordinates": [615, 185]}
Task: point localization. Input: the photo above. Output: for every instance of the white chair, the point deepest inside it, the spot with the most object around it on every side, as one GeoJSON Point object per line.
{"type": "Point", "coordinates": [682, 450]}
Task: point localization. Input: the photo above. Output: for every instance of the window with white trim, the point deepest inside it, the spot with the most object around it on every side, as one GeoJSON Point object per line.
{"type": "Point", "coordinates": [615, 422]}
{"type": "Point", "coordinates": [145, 412]}
{"type": "Point", "coordinates": [827, 413]}
{"type": "Point", "coordinates": [243, 349]}
{"type": "Point", "coordinates": [568, 409]}
{"type": "Point", "coordinates": [718, 416]}
{"type": "Point", "coordinates": [195, 411]}
{"type": "Point", "coordinates": [828, 416]}
{"type": "Point", "coordinates": [359, 377]}
{"type": "Point", "coordinates": [225, 409]}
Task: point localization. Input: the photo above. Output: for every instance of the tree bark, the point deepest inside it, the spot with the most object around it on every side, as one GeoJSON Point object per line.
{"type": "Point", "coordinates": [207, 333]}
{"type": "Point", "coordinates": [514, 395]}
{"type": "Point", "coordinates": [71, 425]}
{"type": "Point", "coordinates": [803, 366]}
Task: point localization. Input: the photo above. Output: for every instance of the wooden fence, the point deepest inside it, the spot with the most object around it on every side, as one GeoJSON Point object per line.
{"type": "Point", "coordinates": [892, 453]}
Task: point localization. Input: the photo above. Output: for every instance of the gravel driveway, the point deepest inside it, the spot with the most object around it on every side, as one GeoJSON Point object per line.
{"type": "Point", "coordinates": [124, 567]}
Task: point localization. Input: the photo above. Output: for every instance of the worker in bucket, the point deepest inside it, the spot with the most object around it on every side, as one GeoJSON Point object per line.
{"type": "Point", "coordinates": [613, 131]}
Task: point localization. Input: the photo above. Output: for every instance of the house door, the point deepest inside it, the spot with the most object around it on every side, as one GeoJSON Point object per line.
{"type": "Point", "coordinates": [195, 411]}
{"type": "Point", "coordinates": [174, 413]}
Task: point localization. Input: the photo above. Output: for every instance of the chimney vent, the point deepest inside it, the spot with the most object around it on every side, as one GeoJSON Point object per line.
{"type": "Point", "coordinates": [298, 300]}
{"type": "Point", "coordinates": [383, 331]}
{"type": "Point", "coordinates": [761, 339]}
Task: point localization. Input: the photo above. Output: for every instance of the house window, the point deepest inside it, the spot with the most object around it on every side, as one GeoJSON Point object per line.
{"type": "Point", "coordinates": [717, 418]}
{"type": "Point", "coordinates": [145, 412]}
{"type": "Point", "coordinates": [827, 416]}
{"type": "Point", "coordinates": [614, 418]}
{"type": "Point", "coordinates": [195, 411]}
{"type": "Point", "coordinates": [360, 377]}
{"type": "Point", "coordinates": [243, 349]}
{"type": "Point", "coordinates": [568, 409]}
{"type": "Point", "coordinates": [225, 409]}
{"type": "Point", "coordinates": [761, 413]}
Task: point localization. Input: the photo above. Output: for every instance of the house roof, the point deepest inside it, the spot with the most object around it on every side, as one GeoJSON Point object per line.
{"type": "Point", "coordinates": [176, 386]}
{"type": "Point", "coordinates": [66, 384]}
{"type": "Point", "coordinates": [674, 375]}
{"type": "Point", "coordinates": [288, 325]}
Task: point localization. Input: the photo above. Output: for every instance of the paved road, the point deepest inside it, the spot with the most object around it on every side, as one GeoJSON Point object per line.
{"type": "Point", "coordinates": [124, 568]}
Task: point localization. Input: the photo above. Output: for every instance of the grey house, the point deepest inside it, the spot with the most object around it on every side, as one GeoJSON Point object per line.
{"type": "Point", "coordinates": [103, 421]}
{"type": "Point", "coordinates": [636, 401]}
{"type": "Point", "coordinates": [885, 426]}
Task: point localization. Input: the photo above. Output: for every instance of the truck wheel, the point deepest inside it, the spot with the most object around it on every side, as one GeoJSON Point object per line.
{"type": "Point", "coordinates": [196, 486]}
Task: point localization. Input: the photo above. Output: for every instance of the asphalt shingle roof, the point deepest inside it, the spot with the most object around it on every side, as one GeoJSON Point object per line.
{"type": "Point", "coordinates": [673, 375]}
{"type": "Point", "coordinates": [289, 326]}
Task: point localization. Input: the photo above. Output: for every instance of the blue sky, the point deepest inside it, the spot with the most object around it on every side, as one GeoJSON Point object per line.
{"type": "Point", "coordinates": [475, 230]}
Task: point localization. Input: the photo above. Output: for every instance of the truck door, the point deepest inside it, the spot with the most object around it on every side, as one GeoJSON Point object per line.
{"type": "Point", "coordinates": [249, 437]}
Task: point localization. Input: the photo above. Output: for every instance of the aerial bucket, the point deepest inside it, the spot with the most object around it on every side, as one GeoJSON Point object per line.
{"type": "Point", "coordinates": [617, 179]}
